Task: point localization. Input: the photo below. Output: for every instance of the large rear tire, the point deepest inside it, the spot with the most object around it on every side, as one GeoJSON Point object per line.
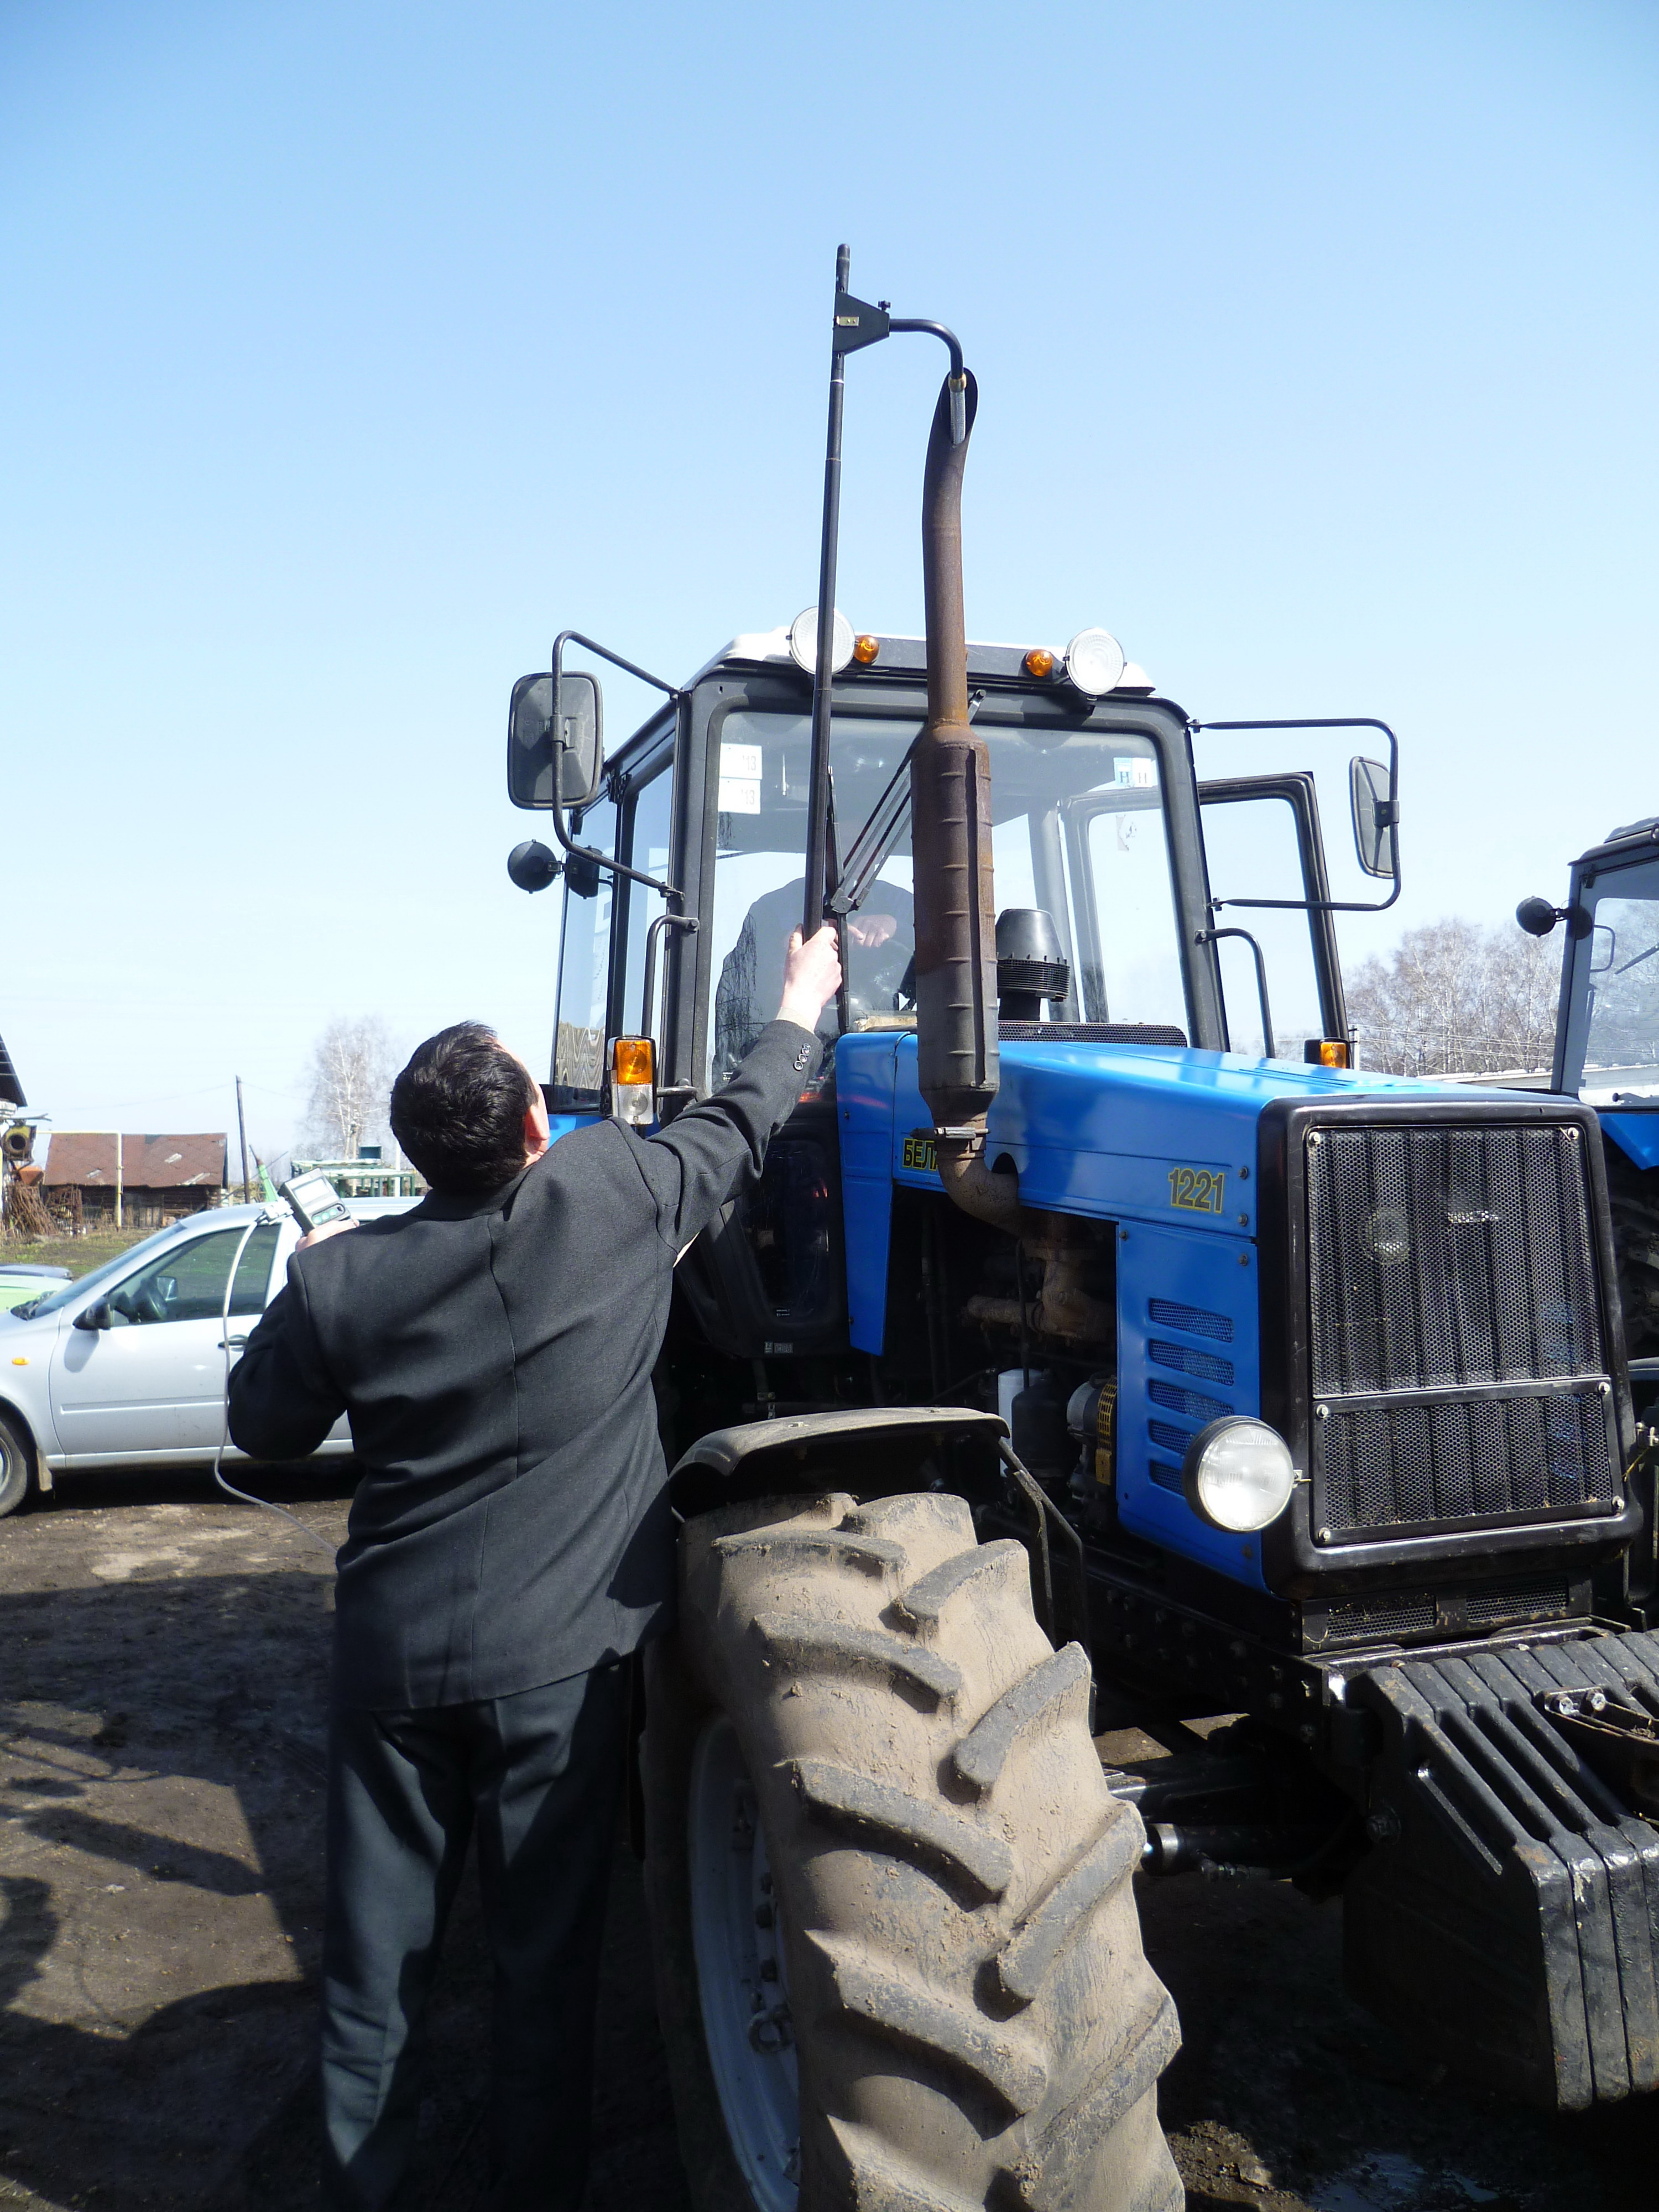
{"type": "Point", "coordinates": [899, 1962]}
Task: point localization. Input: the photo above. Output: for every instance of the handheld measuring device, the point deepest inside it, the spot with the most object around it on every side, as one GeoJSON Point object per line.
{"type": "Point", "coordinates": [315, 1200]}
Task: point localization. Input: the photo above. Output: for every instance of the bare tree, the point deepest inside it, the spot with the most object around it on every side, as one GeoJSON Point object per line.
{"type": "Point", "coordinates": [1455, 1000]}
{"type": "Point", "coordinates": [350, 1077]}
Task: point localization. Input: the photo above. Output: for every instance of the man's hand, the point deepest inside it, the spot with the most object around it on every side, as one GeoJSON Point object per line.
{"type": "Point", "coordinates": [812, 976]}
{"type": "Point", "coordinates": [872, 929]}
{"type": "Point", "coordinates": [317, 1236]}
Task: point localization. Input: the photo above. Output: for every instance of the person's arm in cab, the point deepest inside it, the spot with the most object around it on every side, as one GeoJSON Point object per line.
{"type": "Point", "coordinates": [283, 1403]}
{"type": "Point", "coordinates": [714, 1143]}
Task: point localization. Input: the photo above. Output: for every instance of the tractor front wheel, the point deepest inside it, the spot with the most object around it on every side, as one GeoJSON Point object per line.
{"type": "Point", "coordinates": [899, 1964]}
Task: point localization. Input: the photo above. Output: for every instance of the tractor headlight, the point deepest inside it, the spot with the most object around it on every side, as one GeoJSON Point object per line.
{"type": "Point", "coordinates": [1238, 1474]}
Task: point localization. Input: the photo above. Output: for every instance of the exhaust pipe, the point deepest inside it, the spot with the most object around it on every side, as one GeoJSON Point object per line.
{"type": "Point", "coordinates": [951, 842]}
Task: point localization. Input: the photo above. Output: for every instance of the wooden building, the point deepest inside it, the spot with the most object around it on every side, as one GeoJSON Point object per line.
{"type": "Point", "coordinates": [133, 1182]}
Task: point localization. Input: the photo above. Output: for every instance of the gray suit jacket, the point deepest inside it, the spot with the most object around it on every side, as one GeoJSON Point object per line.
{"type": "Point", "coordinates": [495, 1354]}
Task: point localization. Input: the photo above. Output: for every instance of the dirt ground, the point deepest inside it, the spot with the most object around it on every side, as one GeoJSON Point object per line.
{"type": "Point", "coordinates": [160, 1771]}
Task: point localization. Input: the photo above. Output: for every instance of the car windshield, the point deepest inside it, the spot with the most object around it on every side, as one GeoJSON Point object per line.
{"type": "Point", "coordinates": [1078, 830]}
{"type": "Point", "coordinates": [1621, 1038]}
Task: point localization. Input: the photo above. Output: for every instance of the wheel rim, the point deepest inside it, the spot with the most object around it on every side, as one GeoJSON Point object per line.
{"type": "Point", "coordinates": [738, 1938]}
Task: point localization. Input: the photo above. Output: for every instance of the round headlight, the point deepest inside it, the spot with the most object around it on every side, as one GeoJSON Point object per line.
{"type": "Point", "coordinates": [1094, 661]}
{"type": "Point", "coordinates": [1238, 1474]}
{"type": "Point", "coordinates": [803, 641]}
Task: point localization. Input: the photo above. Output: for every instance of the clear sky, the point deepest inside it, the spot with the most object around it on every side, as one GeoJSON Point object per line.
{"type": "Point", "coordinates": [351, 349]}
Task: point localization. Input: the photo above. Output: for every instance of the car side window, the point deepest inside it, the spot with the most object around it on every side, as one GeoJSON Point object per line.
{"type": "Point", "coordinates": [187, 1283]}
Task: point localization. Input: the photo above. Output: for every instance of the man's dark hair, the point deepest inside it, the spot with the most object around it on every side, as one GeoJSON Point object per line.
{"type": "Point", "coordinates": [457, 1109]}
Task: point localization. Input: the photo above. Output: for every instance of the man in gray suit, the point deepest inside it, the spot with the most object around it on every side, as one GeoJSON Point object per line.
{"type": "Point", "coordinates": [510, 1544]}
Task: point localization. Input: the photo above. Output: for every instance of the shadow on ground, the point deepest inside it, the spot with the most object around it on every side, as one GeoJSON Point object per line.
{"type": "Point", "coordinates": [161, 1832]}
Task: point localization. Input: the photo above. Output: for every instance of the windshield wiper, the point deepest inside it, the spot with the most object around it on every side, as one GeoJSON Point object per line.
{"type": "Point", "coordinates": [888, 820]}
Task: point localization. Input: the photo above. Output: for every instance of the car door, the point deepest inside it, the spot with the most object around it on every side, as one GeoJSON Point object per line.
{"type": "Point", "coordinates": [151, 1386]}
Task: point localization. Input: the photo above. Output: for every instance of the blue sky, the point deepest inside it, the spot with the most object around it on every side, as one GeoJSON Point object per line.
{"type": "Point", "coordinates": [350, 351]}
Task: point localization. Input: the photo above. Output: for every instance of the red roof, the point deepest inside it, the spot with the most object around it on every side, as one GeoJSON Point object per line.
{"type": "Point", "coordinates": [86, 1158]}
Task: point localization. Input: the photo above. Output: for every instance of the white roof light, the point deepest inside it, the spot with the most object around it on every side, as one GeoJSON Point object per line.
{"type": "Point", "coordinates": [1094, 661]}
{"type": "Point", "coordinates": [803, 641]}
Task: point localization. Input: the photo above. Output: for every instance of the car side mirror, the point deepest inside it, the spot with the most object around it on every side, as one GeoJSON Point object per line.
{"type": "Point", "coordinates": [555, 747]}
{"type": "Point", "coordinates": [1537, 916]}
{"type": "Point", "coordinates": [1374, 813]}
{"type": "Point", "coordinates": [96, 1315]}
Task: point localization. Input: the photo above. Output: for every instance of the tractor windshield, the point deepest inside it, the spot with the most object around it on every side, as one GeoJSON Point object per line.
{"type": "Point", "coordinates": [1621, 1035]}
{"type": "Point", "coordinates": [1078, 830]}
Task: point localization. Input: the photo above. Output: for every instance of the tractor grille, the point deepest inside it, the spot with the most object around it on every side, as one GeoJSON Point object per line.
{"type": "Point", "coordinates": [1457, 1364]}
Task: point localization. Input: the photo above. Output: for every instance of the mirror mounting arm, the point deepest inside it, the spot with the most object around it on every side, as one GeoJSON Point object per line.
{"type": "Point", "coordinates": [1388, 810]}
{"type": "Point", "coordinates": [573, 851]}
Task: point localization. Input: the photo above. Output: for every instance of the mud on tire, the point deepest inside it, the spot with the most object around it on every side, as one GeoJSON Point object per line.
{"type": "Point", "coordinates": [959, 1968]}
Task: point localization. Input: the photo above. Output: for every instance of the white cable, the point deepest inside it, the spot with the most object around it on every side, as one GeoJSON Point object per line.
{"type": "Point", "coordinates": [229, 1488]}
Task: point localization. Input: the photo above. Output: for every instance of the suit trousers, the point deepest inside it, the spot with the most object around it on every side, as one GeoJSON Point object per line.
{"type": "Point", "coordinates": [537, 1776]}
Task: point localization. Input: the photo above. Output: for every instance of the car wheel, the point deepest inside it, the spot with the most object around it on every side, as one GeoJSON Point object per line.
{"type": "Point", "coordinates": [16, 1467]}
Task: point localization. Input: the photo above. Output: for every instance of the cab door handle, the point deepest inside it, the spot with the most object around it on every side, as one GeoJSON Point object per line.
{"type": "Point", "coordinates": [232, 1343]}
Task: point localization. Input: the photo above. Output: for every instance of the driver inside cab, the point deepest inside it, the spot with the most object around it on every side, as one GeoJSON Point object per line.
{"type": "Point", "coordinates": [878, 949]}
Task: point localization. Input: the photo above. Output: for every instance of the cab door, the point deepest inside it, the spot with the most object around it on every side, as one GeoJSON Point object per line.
{"type": "Point", "coordinates": [152, 1385]}
{"type": "Point", "coordinates": [1261, 837]}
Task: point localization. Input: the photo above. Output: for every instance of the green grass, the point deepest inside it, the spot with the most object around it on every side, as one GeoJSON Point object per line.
{"type": "Point", "coordinates": [79, 1255]}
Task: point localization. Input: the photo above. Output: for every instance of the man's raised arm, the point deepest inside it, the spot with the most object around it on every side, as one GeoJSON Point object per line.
{"type": "Point", "coordinates": [718, 1143]}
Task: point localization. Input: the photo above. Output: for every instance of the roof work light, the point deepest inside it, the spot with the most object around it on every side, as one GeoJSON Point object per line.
{"type": "Point", "coordinates": [1094, 662]}
{"type": "Point", "coordinates": [803, 641]}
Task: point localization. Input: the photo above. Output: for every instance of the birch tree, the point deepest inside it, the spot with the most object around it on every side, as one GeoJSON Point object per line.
{"type": "Point", "coordinates": [1455, 1000]}
{"type": "Point", "coordinates": [351, 1078]}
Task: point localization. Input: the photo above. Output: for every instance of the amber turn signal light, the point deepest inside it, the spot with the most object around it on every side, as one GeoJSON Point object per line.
{"type": "Point", "coordinates": [633, 1060]}
{"type": "Point", "coordinates": [1327, 1052]}
{"type": "Point", "coordinates": [865, 649]}
{"type": "Point", "coordinates": [1039, 661]}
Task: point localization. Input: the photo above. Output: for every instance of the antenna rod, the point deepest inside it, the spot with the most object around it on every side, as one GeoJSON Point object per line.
{"type": "Point", "coordinates": [817, 819]}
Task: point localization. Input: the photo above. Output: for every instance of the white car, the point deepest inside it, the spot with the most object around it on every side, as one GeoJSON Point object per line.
{"type": "Point", "coordinates": [126, 1367]}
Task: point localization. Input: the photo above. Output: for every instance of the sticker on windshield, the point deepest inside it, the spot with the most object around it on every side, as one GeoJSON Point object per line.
{"type": "Point", "coordinates": [741, 779]}
{"type": "Point", "coordinates": [1138, 772]}
{"type": "Point", "coordinates": [1198, 1190]}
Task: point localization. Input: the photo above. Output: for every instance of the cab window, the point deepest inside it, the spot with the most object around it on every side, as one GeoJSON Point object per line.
{"type": "Point", "coordinates": [1078, 830]}
{"type": "Point", "coordinates": [584, 965]}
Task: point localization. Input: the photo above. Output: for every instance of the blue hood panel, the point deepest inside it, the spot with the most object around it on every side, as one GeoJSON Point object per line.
{"type": "Point", "coordinates": [1159, 1139]}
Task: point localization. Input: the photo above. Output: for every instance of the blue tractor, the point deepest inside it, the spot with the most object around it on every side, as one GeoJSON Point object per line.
{"type": "Point", "coordinates": [1059, 1347]}
{"type": "Point", "coordinates": [1606, 1053]}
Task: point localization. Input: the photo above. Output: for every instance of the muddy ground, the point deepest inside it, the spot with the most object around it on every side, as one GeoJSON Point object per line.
{"type": "Point", "coordinates": [162, 1697]}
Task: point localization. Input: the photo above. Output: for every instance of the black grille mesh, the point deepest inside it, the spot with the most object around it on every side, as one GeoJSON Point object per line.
{"type": "Point", "coordinates": [1449, 1255]}
{"type": "Point", "coordinates": [1463, 1458]}
{"type": "Point", "coordinates": [1451, 1271]}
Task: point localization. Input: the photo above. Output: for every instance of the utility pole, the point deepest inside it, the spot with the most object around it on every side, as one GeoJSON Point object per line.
{"type": "Point", "coordinates": [241, 1132]}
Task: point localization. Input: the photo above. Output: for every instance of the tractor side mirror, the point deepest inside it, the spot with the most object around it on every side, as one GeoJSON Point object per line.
{"type": "Point", "coordinates": [1373, 815]}
{"type": "Point", "coordinates": [555, 747]}
{"type": "Point", "coordinates": [1536, 916]}
{"type": "Point", "coordinates": [96, 1315]}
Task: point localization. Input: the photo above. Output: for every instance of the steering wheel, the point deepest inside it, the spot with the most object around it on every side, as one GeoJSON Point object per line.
{"type": "Point", "coordinates": [144, 1302]}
